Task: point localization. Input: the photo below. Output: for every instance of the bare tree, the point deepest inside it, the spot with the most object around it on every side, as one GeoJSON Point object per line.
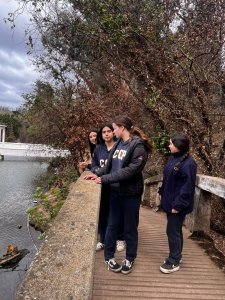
{"type": "Point", "coordinates": [162, 60]}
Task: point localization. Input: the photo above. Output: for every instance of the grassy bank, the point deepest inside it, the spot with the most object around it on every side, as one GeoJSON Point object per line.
{"type": "Point", "coordinates": [61, 174]}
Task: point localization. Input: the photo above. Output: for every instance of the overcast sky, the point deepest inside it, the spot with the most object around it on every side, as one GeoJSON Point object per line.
{"type": "Point", "coordinates": [16, 71]}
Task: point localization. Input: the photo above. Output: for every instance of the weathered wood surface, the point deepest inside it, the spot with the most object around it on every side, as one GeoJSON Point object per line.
{"type": "Point", "coordinates": [198, 277]}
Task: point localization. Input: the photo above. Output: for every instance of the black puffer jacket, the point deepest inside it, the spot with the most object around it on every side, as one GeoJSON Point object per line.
{"type": "Point", "coordinates": [130, 175]}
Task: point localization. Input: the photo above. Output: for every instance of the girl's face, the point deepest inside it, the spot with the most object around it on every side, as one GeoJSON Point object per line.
{"type": "Point", "coordinates": [173, 148]}
{"type": "Point", "coordinates": [107, 134]}
{"type": "Point", "coordinates": [93, 137]}
{"type": "Point", "coordinates": [118, 130]}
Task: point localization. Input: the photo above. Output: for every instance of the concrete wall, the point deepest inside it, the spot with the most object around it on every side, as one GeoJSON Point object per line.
{"type": "Point", "coordinates": [63, 268]}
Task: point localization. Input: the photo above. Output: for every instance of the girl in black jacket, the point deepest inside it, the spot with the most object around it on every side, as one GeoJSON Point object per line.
{"type": "Point", "coordinates": [123, 172]}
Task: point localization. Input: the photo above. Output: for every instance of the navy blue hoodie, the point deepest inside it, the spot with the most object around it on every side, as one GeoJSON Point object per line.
{"type": "Point", "coordinates": [178, 186]}
{"type": "Point", "coordinates": [100, 157]}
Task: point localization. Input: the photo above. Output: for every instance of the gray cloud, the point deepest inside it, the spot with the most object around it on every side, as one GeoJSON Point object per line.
{"type": "Point", "coordinates": [16, 71]}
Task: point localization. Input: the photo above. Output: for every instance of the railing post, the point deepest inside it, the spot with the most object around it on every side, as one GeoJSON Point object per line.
{"type": "Point", "coordinates": [146, 195]}
{"type": "Point", "coordinates": [199, 219]}
{"type": "Point", "coordinates": [150, 195]}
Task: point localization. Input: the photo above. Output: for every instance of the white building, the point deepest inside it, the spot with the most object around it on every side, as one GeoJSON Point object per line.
{"type": "Point", "coordinates": [2, 133]}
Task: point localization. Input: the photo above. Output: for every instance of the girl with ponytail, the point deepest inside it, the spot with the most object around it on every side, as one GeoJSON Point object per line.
{"type": "Point", "coordinates": [123, 175]}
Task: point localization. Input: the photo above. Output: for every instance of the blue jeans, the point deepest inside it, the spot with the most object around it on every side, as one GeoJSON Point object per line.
{"type": "Point", "coordinates": [126, 208]}
{"type": "Point", "coordinates": [175, 237]}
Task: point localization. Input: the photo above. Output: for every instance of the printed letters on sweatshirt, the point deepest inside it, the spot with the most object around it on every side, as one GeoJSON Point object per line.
{"type": "Point", "coordinates": [120, 154]}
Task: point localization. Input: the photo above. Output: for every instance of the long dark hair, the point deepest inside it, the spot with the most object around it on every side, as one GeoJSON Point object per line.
{"type": "Point", "coordinates": [99, 134]}
{"type": "Point", "coordinates": [92, 146]}
{"type": "Point", "coordinates": [128, 124]}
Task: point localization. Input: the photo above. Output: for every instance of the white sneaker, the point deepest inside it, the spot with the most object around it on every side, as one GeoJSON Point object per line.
{"type": "Point", "coordinates": [120, 245]}
{"type": "Point", "coordinates": [99, 246]}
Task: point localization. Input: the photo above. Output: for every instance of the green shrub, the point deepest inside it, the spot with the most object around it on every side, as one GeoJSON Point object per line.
{"type": "Point", "coordinates": [51, 202]}
{"type": "Point", "coordinates": [37, 219]}
{"type": "Point", "coordinates": [51, 180]}
{"type": "Point", "coordinates": [39, 194]}
{"type": "Point", "coordinates": [161, 141]}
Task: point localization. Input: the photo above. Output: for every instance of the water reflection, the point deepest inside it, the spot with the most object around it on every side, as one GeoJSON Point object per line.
{"type": "Point", "coordinates": [18, 180]}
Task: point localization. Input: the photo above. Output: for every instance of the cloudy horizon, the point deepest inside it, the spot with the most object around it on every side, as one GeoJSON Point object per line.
{"type": "Point", "coordinates": [17, 74]}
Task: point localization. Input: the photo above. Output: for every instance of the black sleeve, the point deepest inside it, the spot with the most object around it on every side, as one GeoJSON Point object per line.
{"type": "Point", "coordinates": [100, 171]}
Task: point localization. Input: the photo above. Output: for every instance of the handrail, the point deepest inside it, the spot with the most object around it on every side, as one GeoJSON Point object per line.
{"type": "Point", "coordinates": [199, 219]}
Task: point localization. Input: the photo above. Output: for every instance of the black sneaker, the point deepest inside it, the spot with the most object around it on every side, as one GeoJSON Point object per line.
{"type": "Point", "coordinates": [169, 268]}
{"type": "Point", "coordinates": [127, 266]}
{"type": "Point", "coordinates": [113, 265]}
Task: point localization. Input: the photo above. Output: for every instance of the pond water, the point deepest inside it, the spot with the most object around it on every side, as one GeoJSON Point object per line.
{"type": "Point", "coordinates": [18, 181]}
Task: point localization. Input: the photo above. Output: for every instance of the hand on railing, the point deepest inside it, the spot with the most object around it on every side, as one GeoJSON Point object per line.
{"type": "Point", "coordinates": [90, 177]}
{"type": "Point", "coordinates": [93, 177]}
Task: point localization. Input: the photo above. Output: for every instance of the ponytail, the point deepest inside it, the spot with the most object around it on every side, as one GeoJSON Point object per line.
{"type": "Point", "coordinates": [137, 131]}
{"type": "Point", "coordinates": [177, 165]}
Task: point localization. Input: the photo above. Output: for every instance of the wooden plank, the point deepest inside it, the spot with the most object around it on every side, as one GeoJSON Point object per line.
{"type": "Point", "coordinates": [198, 277]}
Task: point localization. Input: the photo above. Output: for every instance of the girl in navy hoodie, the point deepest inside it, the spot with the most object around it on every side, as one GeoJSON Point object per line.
{"type": "Point", "coordinates": [105, 142]}
{"type": "Point", "coordinates": [177, 197]}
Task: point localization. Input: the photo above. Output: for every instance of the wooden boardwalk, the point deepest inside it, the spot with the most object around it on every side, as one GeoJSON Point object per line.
{"type": "Point", "coordinates": [198, 277]}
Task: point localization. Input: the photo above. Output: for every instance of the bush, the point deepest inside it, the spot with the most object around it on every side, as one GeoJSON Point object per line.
{"type": "Point", "coordinates": [161, 140]}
